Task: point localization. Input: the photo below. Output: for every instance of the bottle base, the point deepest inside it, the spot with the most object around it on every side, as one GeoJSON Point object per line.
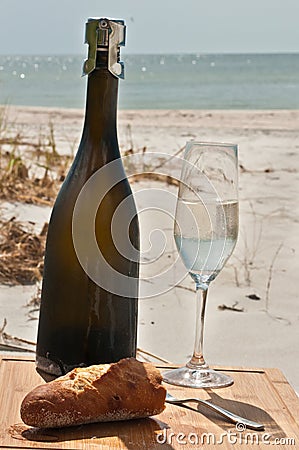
{"type": "Point", "coordinates": [46, 365]}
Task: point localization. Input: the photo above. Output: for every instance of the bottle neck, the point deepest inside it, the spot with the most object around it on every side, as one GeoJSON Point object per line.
{"type": "Point", "coordinates": [101, 102]}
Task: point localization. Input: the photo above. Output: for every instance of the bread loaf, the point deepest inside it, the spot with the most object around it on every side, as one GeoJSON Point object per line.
{"type": "Point", "coordinates": [128, 389]}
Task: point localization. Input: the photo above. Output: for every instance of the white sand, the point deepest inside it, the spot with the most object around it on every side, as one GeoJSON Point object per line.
{"type": "Point", "coordinates": [265, 261]}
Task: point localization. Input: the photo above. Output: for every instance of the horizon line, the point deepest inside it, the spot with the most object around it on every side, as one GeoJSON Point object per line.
{"type": "Point", "coordinates": [124, 53]}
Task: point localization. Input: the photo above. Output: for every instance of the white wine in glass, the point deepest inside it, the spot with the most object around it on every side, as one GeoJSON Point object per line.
{"type": "Point", "coordinates": [205, 232]}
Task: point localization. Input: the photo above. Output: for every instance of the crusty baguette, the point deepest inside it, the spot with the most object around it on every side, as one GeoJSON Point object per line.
{"type": "Point", "coordinates": [128, 389]}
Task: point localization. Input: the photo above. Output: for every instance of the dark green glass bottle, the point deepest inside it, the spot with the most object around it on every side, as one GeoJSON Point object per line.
{"type": "Point", "coordinates": [88, 311]}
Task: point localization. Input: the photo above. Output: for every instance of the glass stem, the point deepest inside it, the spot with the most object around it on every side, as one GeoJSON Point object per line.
{"type": "Point", "coordinates": [197, 359]}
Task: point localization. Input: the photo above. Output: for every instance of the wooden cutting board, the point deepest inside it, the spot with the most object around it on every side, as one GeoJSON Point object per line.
{"type": "Point", "coordinates": [262, 395]}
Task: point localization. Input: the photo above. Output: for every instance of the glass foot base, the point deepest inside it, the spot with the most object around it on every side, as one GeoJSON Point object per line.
{"type": "Point", "coordinates": [197, 378]}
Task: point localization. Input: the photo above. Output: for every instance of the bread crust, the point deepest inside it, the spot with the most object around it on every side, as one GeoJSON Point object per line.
{"type": "Point", "coordinates": [125, 390]}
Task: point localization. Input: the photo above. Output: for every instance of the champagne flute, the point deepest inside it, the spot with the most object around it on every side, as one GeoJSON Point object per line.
{"type": "Point", "coordinates": [205, 232]}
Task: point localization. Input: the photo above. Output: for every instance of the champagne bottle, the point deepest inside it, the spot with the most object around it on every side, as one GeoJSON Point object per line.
{"type": "Point", "coordinates": [88, 312]}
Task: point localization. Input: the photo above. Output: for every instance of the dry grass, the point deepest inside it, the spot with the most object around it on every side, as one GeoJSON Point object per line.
{"type": "Point", "coordinates": [19, 182]}
{"type": "Point", "coordinates": [21, 253]}
{"type": "Point", "coordinates": [18, 186]}
{"type": "Point", "coordinates": [31, 171]}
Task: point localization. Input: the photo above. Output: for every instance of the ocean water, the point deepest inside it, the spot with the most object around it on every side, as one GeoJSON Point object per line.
{"type": "Point", "coordinates": [186, 81]}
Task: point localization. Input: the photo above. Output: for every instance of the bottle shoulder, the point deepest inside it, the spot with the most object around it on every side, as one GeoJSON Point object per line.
{"type": "Point", "coordinates": [102, 179]}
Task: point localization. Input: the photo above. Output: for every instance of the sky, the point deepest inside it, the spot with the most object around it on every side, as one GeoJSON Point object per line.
{"type": "Point", "coordinates": [153, 26]}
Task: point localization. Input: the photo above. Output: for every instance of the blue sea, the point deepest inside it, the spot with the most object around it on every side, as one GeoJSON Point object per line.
{"type": "Point", "coordinates": [182, 81]}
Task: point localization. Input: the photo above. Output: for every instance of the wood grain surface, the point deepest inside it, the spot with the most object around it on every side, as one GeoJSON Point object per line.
{"type": "Point", "coordinates": [263, 395]}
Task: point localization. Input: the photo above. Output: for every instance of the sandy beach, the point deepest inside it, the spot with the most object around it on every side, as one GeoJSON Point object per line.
{"type": "Point", "coordinates": [252, 315]}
